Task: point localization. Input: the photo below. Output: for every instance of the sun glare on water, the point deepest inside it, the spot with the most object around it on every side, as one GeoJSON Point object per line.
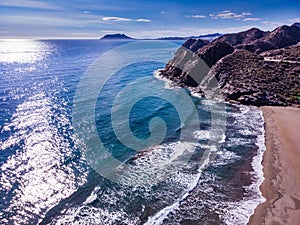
{"type": "Point", "coordinates": [22, 51]}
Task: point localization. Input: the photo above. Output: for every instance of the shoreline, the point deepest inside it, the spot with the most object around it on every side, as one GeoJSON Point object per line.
{"type": "Point", "coordinates": [281, 166]}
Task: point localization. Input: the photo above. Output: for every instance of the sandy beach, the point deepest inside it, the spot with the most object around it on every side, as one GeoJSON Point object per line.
{"type": "Point", "coordinates": [281, 163]}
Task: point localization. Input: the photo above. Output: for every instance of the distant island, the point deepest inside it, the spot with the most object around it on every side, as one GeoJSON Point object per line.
{"type": "Point", "coordinates": [116, 37]}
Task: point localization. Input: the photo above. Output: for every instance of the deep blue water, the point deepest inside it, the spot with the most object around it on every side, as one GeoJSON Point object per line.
{"type": "Point", "coordinates": [45, 171]}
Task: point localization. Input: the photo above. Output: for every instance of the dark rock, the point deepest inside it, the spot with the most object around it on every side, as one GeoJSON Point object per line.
{"type": "Point", "coordinates": [296, 25]}
{"type": "Point", "coordinates": [291, 53]}
{"type": "Point", "coordinates": [248, 79]}
{"type": "Point", "coordinates": [258, 46]}
{"type": "Point", "coordinates": [194, 44]}
{"type": "Point", "coordinates": [214, 51]}
{"type": "Point", "coordinates": [241, 38]}
{"type": "Point", "coordinates": [283, 36]}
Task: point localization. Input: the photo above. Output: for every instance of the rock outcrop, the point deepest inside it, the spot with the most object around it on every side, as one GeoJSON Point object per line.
{"type": "Point", "coordinates": [214, 51]}
{"type": "Point", "coordinates": [252, 67]}
{"type": "Point", "coordinates": [195, 44]}
{"type": "Point", "coordinates": [247, 78]}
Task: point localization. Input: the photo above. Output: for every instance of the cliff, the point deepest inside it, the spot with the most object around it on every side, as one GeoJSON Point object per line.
{"type": "Point", "coordinates": [252, 67]}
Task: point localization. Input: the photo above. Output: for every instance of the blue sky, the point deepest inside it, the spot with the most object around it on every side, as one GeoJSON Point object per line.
{"type": "Point", "coordinates": [138, 18]}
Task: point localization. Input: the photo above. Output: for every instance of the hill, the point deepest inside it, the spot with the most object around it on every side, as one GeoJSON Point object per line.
{"type": "Point", "coordinates": [115, 37]}
{"type": "Point", "coordinates": [252, 67]}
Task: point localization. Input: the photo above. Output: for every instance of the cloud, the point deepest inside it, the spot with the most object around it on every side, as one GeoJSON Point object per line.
{"type": "Point", "coordinates": [295, 20]}
{"type": "Point", "coordinates": [114, 18]}
{"type": "Point", "coordinates": [252, 19]}
{"type": "Point", "coordinates": [196, 16]}
{"type": "Point", "coordinates": [162, 12]}
{"type": "Point", "coordinates": [120, 19]}
{"type": "Point", "coordinates": [86, 12]}
{"type": "Point", "coordinates": [29, 4]}
{"type": "Point", "coordinates": [35, 20]}
{"type": "Point", "coordinates": [227, 14]}
{"type": "Point", "coordinates": [272, 23]}
{"type": "Point", "coordinates": [246, 14]}
{"type": "Point", "coordinates": [143, 20]}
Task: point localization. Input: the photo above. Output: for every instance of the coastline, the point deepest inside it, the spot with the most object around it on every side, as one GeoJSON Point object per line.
{"type": "Point", "coordinates": [281, 186]}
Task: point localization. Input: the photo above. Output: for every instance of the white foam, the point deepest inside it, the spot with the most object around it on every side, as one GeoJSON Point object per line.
{"type": "Point", "coordinates": [240, 212]}
{"type": "Point", "coordinates": [196, 94]}
{"type": "Point", "coordinates": [159, 217]}
{"type": "Point", "coordinates": [156, 164]}
{"type": "Point", "coordinates": [202, 134]}
{"type": "Point", "coordinates": [92, 197]}
{"type": "Point", "coordinates": [225, 157]}
{"type": "Point", "coordinates": [168, 83]}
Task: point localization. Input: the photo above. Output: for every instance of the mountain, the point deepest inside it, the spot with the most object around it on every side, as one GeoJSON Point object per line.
{"type": "Point", "coordinates": [283, 36]}
{"type": "Point", "coordinates": [209, 36]}
{"type": "Point", "coordinates": [171, 38]}
{"type": "Point", "coordinates": [296, 24]}
{"type": "Point", "coordinates": [115, 37]}
{"type": "Point", "coordinates": [205, 36]}
{"type": "Point", "coordinates": [258, 41]}
{"type": "Point", "coordinates": [252, 67]}
{"type": "Point", "coordinates": [241, 38]}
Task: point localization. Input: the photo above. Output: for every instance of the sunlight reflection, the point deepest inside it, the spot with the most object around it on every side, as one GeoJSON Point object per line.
{"type": "Point", "coordinates": [22, 51]}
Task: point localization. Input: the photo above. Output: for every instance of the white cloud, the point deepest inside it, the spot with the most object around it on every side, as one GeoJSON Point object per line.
{"type": "Point", "coordinates": [29, 4]}
{"type": "Point", "coordinates": [35, 20]}
{"type": "Point", "coordinates": [196, 16]}
{"type": "Point", "coordinates": [120, 19]}
{"type": "Point", "coordinates": [143, 20]}
{"type": "Point", "coordinates": [86, 12]}
{"type": "Point", "coordinates": [227, 14]}
{"type": "Point", "coordinates": [162, 12]}
{"type": "Point", "coordinates": [252, 19]}
{"type": "Point", "coordinates": [246, 14]}
{"type": "Point", "coordinates": [295, 20]}
{"type": "Point", "coordinates": [272, 23]}
{"type": "Point", "coordinates": [114, 18]}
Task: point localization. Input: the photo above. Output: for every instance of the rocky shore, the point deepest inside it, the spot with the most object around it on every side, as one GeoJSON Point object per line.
{"type": "Point", "coordinates": [251, 67]}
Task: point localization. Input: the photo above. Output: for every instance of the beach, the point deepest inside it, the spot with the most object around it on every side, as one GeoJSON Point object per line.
{"type": "Point", "coordinates": [281, 166]}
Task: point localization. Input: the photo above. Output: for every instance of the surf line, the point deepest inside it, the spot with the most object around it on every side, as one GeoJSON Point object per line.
{"type": "Point", "coordinates": [159, 217]}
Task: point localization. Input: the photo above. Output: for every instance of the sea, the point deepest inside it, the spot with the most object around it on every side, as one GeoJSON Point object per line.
{"type": "Point", "coordinates": [90, 133]}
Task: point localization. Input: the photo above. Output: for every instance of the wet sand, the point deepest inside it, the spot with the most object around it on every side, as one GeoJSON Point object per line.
{"type": "Point", "coordinates": [281, 163]}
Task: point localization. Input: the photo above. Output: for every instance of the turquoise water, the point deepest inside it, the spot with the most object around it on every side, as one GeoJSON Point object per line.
{"type": "Point", "coordinates": [46, 173]}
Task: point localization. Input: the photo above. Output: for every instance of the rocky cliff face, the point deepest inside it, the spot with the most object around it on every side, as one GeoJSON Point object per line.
{"type": "Point", "coordinates": [213, 52]}
{"type": "Point", "coordinates": [247, 78]}
{"type": "Point", "coordinates": [252, 67]}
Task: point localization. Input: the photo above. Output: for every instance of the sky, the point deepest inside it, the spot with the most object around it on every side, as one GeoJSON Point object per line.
{"type": "Point", "coordinates": [140, 18]}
